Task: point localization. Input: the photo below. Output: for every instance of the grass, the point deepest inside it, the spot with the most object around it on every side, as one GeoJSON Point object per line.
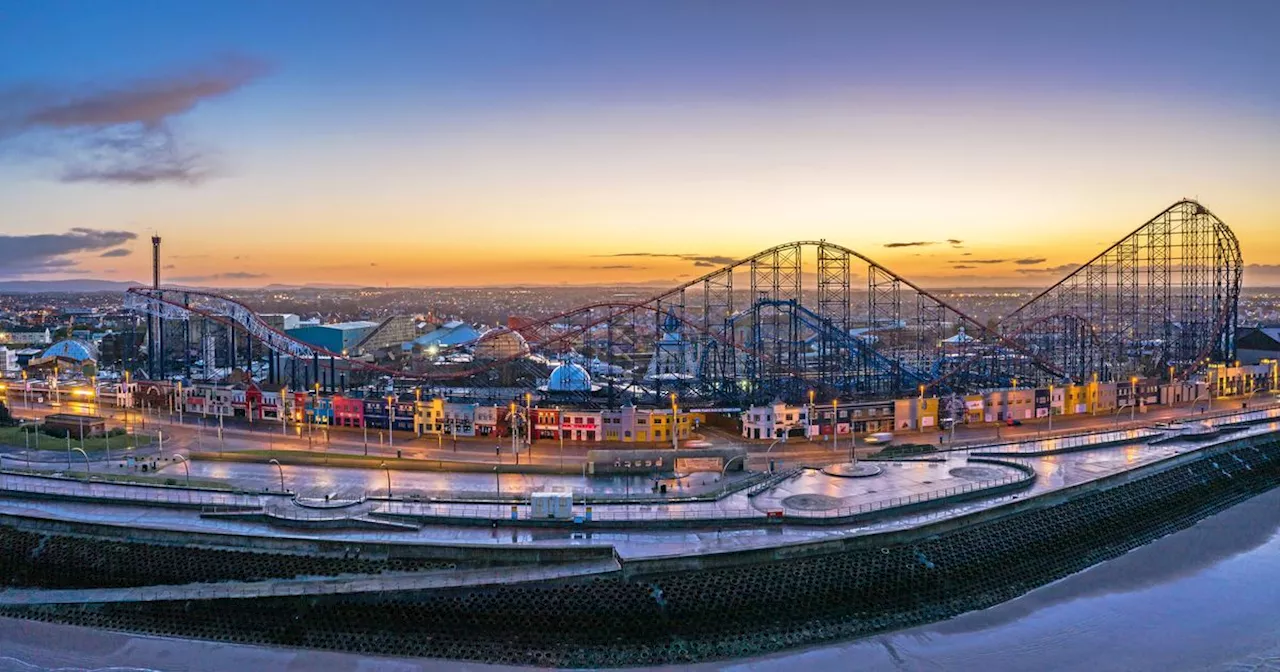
{"type": "Point", "coordinates": [12, 436]}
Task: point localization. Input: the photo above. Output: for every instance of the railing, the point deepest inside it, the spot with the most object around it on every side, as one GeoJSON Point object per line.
{"type": "Point", "coordinates": [128, 494]}
{"type": "Point", "coordinates": [705, 512]}
{"type": "Point", "coordinates": [1069, 443]}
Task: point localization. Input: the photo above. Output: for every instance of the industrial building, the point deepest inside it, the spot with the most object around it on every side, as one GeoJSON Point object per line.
{"type": "Point", "coordinates": [338, 337]}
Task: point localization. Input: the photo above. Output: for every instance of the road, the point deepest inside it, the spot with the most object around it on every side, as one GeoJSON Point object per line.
{"type": "Point", "coordinates": [187, 433]}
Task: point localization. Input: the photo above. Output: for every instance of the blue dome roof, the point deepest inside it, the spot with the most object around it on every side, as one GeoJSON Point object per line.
{"type": "Point", "coordinates": [71, 349]}
{"type": "Point", "coordinates": [569, 378]}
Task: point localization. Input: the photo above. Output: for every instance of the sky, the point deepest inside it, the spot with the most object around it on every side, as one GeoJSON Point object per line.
{"type": "Point", "coordinates": [486, 143]}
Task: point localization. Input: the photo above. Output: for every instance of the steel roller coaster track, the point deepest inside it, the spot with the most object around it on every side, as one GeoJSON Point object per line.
{"type": "Point", "coordinates": [812, 315]}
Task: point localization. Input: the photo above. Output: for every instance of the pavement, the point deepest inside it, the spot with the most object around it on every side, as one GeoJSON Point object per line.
{"type": "Point", "coordinates": [808, 494]}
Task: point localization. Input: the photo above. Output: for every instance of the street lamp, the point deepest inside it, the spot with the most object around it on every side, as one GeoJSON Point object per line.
{"type": "Point", "coordinates": [1133, 401]}
{"type": "Point", "coordinates": [559, 433]}
{"type": "Point", "coordinates": [185, 467]}
{"type": "Point", "coordinates": [675, 423]}
{"type": "Point", "coordinates": [809, 417]}
{"type": "Point", "coordinates": [1051, 409]}
{"type": "Point", "coordinates": [391, 421]}
{"type": "Point", "coordinates": [86, 462]}
{"type": "Point", "coordinates": [835, 437]}
{"type": "Point", "coordinates": [279, 469]}
{"type": "Point", "coordinates": [388, 470]}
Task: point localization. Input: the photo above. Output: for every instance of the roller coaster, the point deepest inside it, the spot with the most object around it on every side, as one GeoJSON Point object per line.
{"type": "Point", "coordinates": [816, 316]}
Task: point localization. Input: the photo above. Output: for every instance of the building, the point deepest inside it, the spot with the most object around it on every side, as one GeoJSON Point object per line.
{"type": "Point", "coordinates": [66, 355]}
{"type": "Point", "coordinates": [338, 337]}
{"type": "Point", "coordinates": [567, 379]}
{"type": "Point", "coordinates": [26, 336]}
{"type": "Point", "coordinates": [776, 421]}
{"type": "Point", "coordinates": [1242, 379]}
{"type": "Point", "coordinates": [1254, 344]}
{"type": "Point", "coordinates": [450, 334]}
{"type": "Point", "coordinates": [281, 321]}
{"type": "Point", "coordinates": [76, 426]}
{"type": "Point", "coordinates": [501, 344]}
{"type": "Point", "coordinates": [8, 361]}
{"type": "Point", "coordinates": [393, 332]}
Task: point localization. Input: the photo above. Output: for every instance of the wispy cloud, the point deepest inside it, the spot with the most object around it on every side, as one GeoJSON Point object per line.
{"type": "Point", "coordinates": [118, 252]}
{"type": "Point", "coordinates": [697, 259]}
{"type": "Point", "coordinates": [962, 267]}
{"type": "Point", "coordinates": [1050, 270]}
{"type": "Point", "coordinates": [234, 275]}
{"type": "Point", "coordinates": [985, 261]}
{"type": "Point", "coordinates": [53, 252]}
{"type": "Point", "coordinates": [119, 133]}
{"type": "Point", "coordinates": [1030, 261]}
{"type": "Point", "coordinates": [918, 243]}
{"type": "Point", "coordinates": [954, 242]}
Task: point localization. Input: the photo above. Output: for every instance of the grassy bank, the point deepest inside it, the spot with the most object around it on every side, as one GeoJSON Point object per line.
{"type": "Point", "coordinates": [13, 436]}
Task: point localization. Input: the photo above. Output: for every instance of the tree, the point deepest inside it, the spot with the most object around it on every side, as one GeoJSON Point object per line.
{"type": "Point", "coordinates": [6, 418]}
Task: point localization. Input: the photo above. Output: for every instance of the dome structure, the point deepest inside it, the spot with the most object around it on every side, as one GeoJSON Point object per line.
{"type": "Point", "coordinates": [569, 377]}
{"type": "Point", "coordinates": [72, 349]}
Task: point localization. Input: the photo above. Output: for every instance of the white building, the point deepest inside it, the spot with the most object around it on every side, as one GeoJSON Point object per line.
{"type": "Point", "coordinates": [774, 421]}
{"type": "Point", "coordinates": [8, 361]}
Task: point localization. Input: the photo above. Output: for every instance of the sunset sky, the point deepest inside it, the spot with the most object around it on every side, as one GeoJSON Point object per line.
{"type": "Point", "coordinates": [470, 143]}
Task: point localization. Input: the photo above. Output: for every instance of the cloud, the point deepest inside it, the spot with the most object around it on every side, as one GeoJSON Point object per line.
{"type": "Point", "coordinates": [1262, 274]}
{"type": "Point", "coordinates": [119, 133]}
{"type": "Point", "coordinates": [697, 259]}
{"type": "Point", "coordinates": [954, 243]}
{"type": "Point", "coordinates": [51, 252]}
{"type": "Point", "coordinates": [704, 264]}
{"type": "Point", "coordinates": [234, 275]}
{"type": "Point", "coordinates": [168, 267]}
{"type": "Point", "coordinates": [1051, 270]}
{"type": "Point", "coordinates": [918, 243]}
{"type": "Point", "coordinates": [118, 252]}
{"type": "Point", "coordinates": [615, 267]}
{"type": "Point", "coordinates": [1030, 261]}
{"type": "Point", "coordinates": [985, 261]}
{"type": "Point", "coordinates": [962, 267]}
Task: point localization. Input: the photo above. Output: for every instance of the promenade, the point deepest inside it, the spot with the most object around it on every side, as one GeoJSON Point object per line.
{"type": "Point", "coordinates": [906, 493]}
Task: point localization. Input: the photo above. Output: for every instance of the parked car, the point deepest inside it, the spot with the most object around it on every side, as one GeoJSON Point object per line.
{"type": "Point", "coordinates": [1013, 422]}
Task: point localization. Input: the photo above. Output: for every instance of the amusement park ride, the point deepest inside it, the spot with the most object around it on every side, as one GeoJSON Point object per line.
{"type": "Point", "coordinates": [813, 315]}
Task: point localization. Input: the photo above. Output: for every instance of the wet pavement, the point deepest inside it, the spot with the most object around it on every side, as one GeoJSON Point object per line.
{"type": "Point", "coordinates": [811, 490]}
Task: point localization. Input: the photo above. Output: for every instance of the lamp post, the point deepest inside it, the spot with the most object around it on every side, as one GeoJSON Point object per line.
{"type": "Point", "coordinates": [1051, 409]}
{"type": "Point", "coordinates": [725, 469]}
{"type": "Point", "coordinates": [180, 402]}
{"type": "Point", "coordinates": [675, 423]}
{"type": "Point", "coordinates": [1133, 400]}
{"type": "Point", "coordinates": [809, 417]}
{"type": "Point", "coordinates": [186, 468]}
{"type": "Point", "coordinates": [560, 434]}
{"type": "Point", "coordinates": [528, 415]}
{"type": "Point", "coordinates": [511, 417]}
{"type": "Point", "coordinates": [835, 437]}
{"type": "Point", "coordinates": [279, 469]}
{"type": "Point", "coordinates": [388, 470]}
{"type": "Point", "coordinates": [391, 421]}
{"type": "Point", "coordinates": [86, 462]}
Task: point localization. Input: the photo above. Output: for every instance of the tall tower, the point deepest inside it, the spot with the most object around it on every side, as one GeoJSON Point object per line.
{"type": "Point", "coordinates": [155, 348]}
